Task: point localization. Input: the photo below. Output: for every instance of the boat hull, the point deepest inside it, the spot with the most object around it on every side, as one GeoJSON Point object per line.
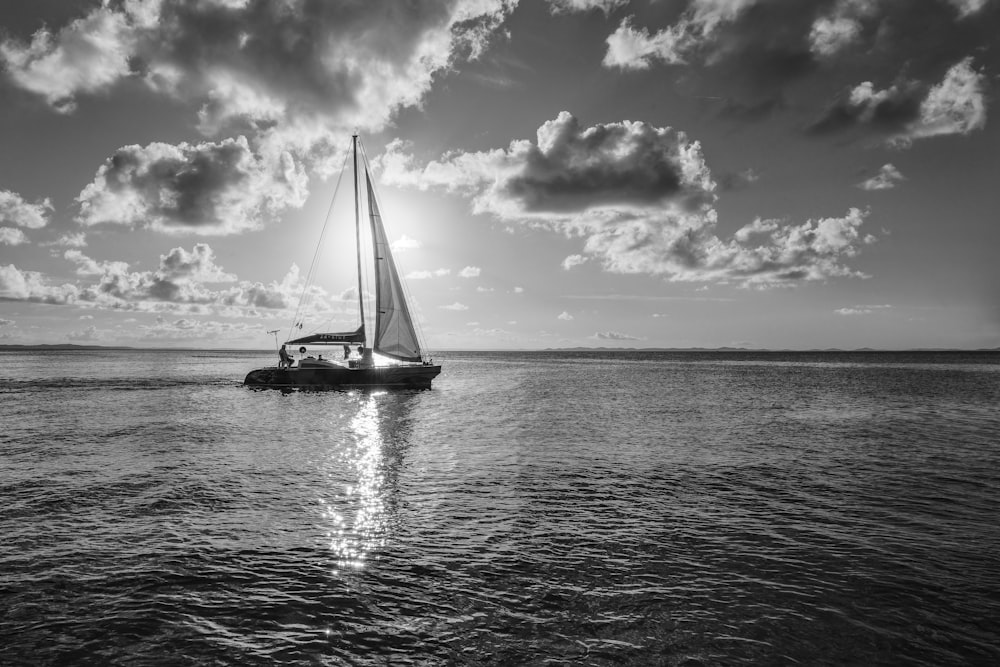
{"type": "Point", "coordinates": [339, 377]}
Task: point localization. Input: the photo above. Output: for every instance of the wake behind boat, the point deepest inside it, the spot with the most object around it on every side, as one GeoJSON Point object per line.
{"type": "Point", "coordinates": [390, 357]}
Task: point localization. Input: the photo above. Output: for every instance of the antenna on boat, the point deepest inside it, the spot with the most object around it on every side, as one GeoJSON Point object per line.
{"type": "Point", "coordinates": [275, 332]}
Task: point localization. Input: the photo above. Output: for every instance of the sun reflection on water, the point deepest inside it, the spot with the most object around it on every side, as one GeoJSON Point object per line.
{"type": "Point", "coordinates": [358, 517]}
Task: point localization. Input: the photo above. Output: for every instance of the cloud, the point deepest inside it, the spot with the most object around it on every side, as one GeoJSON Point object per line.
{"type": "Point", "coordinates": [425, 274]}
{"type": "Point", "coordinates": [290, 76]}
{"type": "Point", "coordinates": [886, 179]}
{"type": "Point", "coordinates": [5, 322]}
{"type": "Point", "coordinates": [69, 240]}
{"type": "Point", "coordinates": [968, 7]}
{"type": "Point", "coordinates": [841, 27]}
{"type": "Point", "coordinates": [207, 188]}
{"type": "Point", "coordinates": [14, 210]}
{"type": "Point", "coordinates": [569, 169]}
{"type": "Point", "coordinates": [518, 290]}
{"type": "Point", "coordinates": [470, 272]}
{"type": "Point", "coordinates": [754, 49]}
{"type": "Point", "coordinates": [910, 110]}
{"type": "Point", "coordinates": [261, 63]}
{"type": "Point", "coordinates": [404, 243]}
{"type": "Point", "coordinates": [181, 283]}
{"type": "Point", "coordinates": [642, 198]}
{"type": "Point", "coordinates": [12, 236]}
{"type": "Point", "coordinates": [564, 316]}
{"type": "Point", "coordinates": [606, 6]}
{"type": "Point", "coordinates": [185, 329]}
{"type": "Point", "coordinates": [697, 27]}
{"type": "Point", "coordinates": [957, 105]}
{"type": "Point", "coordinates": [88, 55]}
{"type": "Point", "coordinates": [197, 265]}
{"type": "Point", "coordinates": [573, 260]}
{"type": "Point", "coordinates": [890, 109]}
{"type": "Point", "coordinates": [19, 285]}
{"type": "Point", "coordinates": [91, 333]}
{"type": "Point", "coordinates": [455, 306]}
{"type": "Point", "coordinates": [613, 335]}
{"type": "Point", "coordinates": [861, 310]}
{"type": "Point", "coordinates": [181, 278]}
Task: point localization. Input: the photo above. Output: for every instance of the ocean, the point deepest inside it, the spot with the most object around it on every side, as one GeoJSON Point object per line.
{"type": "Point", "coordinates": [533, 508]}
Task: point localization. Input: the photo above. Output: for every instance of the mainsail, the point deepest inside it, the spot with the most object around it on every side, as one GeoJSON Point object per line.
{"type": "Point", "coordinates": [394, 333]}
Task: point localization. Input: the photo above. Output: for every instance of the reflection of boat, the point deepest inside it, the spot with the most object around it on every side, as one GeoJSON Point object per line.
{"type": "Point", "coordinates": [390, 357]}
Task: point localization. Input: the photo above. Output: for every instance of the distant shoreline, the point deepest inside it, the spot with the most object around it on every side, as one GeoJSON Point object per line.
{"type": "Point", "coordinates": [76, 347]}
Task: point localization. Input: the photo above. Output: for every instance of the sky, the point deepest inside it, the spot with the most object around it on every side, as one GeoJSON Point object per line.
{"type": "Point", "coordinates": [552, 173]}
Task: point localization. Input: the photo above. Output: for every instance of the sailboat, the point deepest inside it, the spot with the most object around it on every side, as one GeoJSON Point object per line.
{"type": "Point", "coordinates": [387, 355]}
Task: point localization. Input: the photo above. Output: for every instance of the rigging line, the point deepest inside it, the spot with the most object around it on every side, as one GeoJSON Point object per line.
{"type": "Point", "coordinates": [319, 246]}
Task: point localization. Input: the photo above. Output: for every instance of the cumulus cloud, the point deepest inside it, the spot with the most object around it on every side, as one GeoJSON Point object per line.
{"type": "Point", "coordinates": [185, 281]}
{"type": "Point", "coordinates": [573, 260]}
{"type": "Point", "coordinates": [968, 7]}
{"type": "Point", "coordinates": [910, 110]}
{"type": "Point", "coordinates": [14, 210]}
{"type": "Point", "coordinates": [841, 27]}
{"type": "Point", "coordinates": [642, 198]}
{"type": "Point", "coordinates": [564, 316]}
{"type": "Point", "coordinates": [181, 278]}
{"type": "Point", "coordinates": [404, 243]}
{"type": "Point", "coordinates": [606, 6]}
{"type": "Point", "coordinates": [886, 179]}
{"type": "Point", "coordinates": [19, 285]}
{"type": "Point", "coordinates": [613, 335]}
{"type": "Point", "coordinates": [12, 236]}
{"type": "Point", "coordinates": [455, 306]}
{"type": "Point", "coordinates": [91, 333]}
{"type": "Point", "coordinates": [861, 310]}
{"type": "Point", "coordinates": [569, 169]}
{"type": "Point", "coordinates": [470, 272]}
{"type": "Point", "coordinates": [288, 75]}
{"type": "Point", "coordinates": [88, 55]}
{"type": "Point", "coordinates": [69, 240]}
{"type": "Point", "coordinates": [425, 274]}
{"type": "Point", "coordinates": [291, 63]}
{"type": "Point", "coordinates": [631, 48]}
{"type": "Point", "coordinates": [957, 105]}
{"type": "Point", "coordinates": [206, 188]}
{"type": "Point", "coordinates": [890, 109]}
{"type": "Point", "coordinates": [756, 48]}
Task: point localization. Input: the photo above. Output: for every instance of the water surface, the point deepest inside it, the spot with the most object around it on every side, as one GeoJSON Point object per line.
{"type": "Point", "coordinates": [532, 508]}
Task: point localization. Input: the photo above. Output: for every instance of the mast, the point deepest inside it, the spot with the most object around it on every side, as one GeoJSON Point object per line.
{"type": "Point", "coordinates": [357, 229]}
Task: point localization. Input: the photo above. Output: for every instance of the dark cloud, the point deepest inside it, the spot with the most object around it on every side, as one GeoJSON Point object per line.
{"type": "Point", "coordinates": [913, 110]}
{"type": "Point", "coordinates": [887, 110]}
{"type": "Point", "coordinates": [208, 188]}
{"type": "Point", "coordinates": [259, 63]}
{"type": "Point", "coordinates": [759, 51]}
{"type": "Point", "coordinates": [572, 168]}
